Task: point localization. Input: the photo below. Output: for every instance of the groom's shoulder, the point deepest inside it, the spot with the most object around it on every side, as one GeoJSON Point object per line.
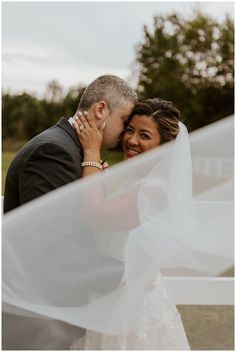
{"type": "Point", "coordinates": [51, 139]}
{"type": "Point", "coordinates": [52, 135]}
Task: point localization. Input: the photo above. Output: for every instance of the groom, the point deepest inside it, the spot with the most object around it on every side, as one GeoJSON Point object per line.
{"type": "Point", "coordinates": [53, 158]}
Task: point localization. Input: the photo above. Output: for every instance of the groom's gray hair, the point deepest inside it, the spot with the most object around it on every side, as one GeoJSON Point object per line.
{"type": "Point", "coordinates": [114, 90]}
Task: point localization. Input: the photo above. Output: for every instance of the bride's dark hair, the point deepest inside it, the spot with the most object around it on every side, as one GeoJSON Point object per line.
{"type": "Point", "coordinates": [164, 113]}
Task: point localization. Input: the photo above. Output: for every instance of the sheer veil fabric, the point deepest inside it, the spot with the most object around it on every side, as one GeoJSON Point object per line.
{"type": "Point", "coordinates": [86, 253]}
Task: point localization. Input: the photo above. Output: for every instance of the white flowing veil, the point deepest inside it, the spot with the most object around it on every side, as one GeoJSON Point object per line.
{"type": "Point", "coordinates": [86, 253]}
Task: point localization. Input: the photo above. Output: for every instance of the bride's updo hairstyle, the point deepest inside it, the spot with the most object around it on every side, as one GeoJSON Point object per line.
{"type": "Point", "coordinates": [164, 113]}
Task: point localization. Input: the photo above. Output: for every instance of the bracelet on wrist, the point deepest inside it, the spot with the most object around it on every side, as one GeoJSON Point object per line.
{"type": "Point", "coordinates": [91, 164]}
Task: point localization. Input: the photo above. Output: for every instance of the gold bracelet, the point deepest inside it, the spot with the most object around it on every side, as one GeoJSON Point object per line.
{"type": "Point", "coordinates": [91, 163]}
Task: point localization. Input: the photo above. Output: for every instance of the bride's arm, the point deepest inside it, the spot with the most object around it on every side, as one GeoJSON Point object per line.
{"type": "Point", "coordinates": [91, 140]}
{"type": "Point", "coordinates": [100, 209]}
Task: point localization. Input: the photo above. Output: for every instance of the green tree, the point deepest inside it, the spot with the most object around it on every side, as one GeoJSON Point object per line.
{"type": "Point", "coordinates": [71, 100]}
{"type": "Point", "coordinates": [53, 92]}
{"type": "Point", "coordinates": [24, 115]}
{"type": "Point", "coordinates": [21, 116]}
{"type": "Point", "coordinates": [191, 63]}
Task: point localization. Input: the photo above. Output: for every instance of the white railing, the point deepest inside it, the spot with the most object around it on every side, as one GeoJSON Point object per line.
{"type": "Point", "coordinates": [213, 166]}
{"type": "Point", "coordinates": [201, 290]}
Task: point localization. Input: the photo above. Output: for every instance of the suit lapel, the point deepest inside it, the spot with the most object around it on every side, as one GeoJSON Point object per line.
{"type": "Point", "coordinates": [64, 123]}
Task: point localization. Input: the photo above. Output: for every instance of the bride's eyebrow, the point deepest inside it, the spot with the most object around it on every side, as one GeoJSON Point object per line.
{"type": "Point", "coordinates": [129, 125]}
{"type": "Point", "coordinates": [148, 131]}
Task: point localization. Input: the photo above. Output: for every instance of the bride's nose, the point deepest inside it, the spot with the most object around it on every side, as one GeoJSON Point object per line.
{"type": "Point", "coordinates": [133, 140]}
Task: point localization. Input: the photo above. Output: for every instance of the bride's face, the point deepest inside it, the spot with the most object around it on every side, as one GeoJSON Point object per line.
{"type": "Point", "coordinates": [140, 135]}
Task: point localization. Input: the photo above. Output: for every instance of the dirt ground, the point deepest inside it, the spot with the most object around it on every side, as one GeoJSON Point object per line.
{"type": "Point", "coordinates": [209, 327]}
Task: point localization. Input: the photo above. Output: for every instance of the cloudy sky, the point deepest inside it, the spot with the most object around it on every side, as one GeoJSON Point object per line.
{"type": "Point", "coordinates": [74, 42]}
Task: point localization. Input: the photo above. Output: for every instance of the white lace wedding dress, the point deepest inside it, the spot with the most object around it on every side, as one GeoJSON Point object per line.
{"type": "Point", "coordinates": [161, 326]}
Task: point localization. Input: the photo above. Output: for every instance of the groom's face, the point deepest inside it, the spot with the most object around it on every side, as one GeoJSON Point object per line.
{"type": "Point", "coordinates": [115, 125]}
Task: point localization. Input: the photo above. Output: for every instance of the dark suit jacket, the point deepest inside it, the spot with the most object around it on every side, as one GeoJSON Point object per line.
{"type": "Point", "coordinates": [48, 161]}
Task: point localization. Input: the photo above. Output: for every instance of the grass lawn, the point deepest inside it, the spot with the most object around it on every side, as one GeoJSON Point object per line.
{"type": "Point", "coordinates": [112, 158]}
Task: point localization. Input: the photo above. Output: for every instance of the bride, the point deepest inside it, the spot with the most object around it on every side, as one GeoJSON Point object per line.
{"type": "Point", "coordinates": [152, 122]}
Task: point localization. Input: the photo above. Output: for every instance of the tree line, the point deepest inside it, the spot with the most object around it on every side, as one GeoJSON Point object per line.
{"type": "Point", "coordinates": [24, 115]}
{"type": "Point", "coordinates": [187, 61]}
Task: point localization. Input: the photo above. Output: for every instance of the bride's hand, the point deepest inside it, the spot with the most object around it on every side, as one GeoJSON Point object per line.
{"type": "Point", "coordinates": [89, 135]}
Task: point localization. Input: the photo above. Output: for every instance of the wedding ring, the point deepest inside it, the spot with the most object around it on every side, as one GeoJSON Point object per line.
{"type": "Point", "coordinates": [81, 128]}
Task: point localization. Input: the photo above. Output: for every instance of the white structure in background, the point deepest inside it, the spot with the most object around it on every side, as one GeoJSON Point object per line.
{"type": "Point", "coordinates": [213, 179]}
{"type": "Point", "coordinates": [213, 160]}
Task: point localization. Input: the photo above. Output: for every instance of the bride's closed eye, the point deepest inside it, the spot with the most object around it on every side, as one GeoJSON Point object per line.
{"type": "Point", "coordinates": [129, 129]}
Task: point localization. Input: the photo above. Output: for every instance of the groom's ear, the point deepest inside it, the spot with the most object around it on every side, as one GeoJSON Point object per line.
{"type": "Point", "coordinates": [101, 110]}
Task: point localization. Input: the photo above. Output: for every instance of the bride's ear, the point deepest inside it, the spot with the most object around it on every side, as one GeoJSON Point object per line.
{"type": "Point", "coordinates": [101, 110]}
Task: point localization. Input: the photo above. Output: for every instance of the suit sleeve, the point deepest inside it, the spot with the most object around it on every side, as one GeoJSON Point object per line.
{"type": "Point", "coordinates": [50, 166]}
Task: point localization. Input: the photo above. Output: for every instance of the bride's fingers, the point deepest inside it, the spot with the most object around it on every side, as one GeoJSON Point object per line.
{"type": "Point", "coordinates": [102, 128]}
{"type": "Point", "coordinates": [78, 121]}
{"type": "Point", "coordinates": [88, 119]}
{"type": "Point", "coordinates": [77, 115]}
{"type": "Point", "coordinates": [77, 128]}
{"type": "Point", "coordinates": [84, 122]}
{"type": "Point", "coordinates": [93, 125]}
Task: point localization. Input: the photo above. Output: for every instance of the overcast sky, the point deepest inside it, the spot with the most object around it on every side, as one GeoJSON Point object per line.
{"type": "Point", "coordinates": [74, 42]}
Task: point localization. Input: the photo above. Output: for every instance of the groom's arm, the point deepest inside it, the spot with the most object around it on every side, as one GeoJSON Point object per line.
{"type": "Point", "coordinates": [50, 166]}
